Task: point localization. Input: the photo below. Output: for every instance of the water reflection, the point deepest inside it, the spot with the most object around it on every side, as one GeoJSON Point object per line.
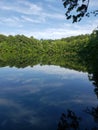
{"type": "Point", "coordinates": [71, 121]}
{"type": "Point", "coordinates": [34, 98]}
{"type": "Point", "coordinates": [94, 79]}
{"type": "Point", "coordinates": [93, 112]}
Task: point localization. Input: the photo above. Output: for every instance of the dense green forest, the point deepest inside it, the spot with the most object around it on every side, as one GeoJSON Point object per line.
{"type": "Point", "coordinates": [76, 52]}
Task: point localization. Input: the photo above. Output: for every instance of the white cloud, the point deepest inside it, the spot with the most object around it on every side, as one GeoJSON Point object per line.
{"type": "Point", "coordinates": [93, 3]}
{"type": "Point", "coordinates": [39, 20]}
{"type": "Point", "coordinates": [10, 21]}
{"type": "Point", "coordinates": [30, 5]}
{"type": "Point", "coordinates": [29, 8]}
{"type": "Point", "coordinates": [54, 16]}
{"type": "Point", "coordinates": [60, 31]}
{"type": "Point", "coordinates": [32, 20]}
{"type": "Point", "coordinates": [21, 6]}
{"type": "Point", "coordinates": [65, 30]}
{"type": "Point", "coordinates": [57, 70]}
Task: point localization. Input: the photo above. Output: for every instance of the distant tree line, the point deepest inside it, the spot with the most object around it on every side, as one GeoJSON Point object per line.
{"type": "Point", "coordinates": [76, 52]}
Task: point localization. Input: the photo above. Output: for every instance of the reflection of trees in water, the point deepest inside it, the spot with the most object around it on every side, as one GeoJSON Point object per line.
{"type": "Point", "coordinates": [94, 79]}
{"type": "Point", "coordinates": [70, 121]}
{"type": "Point", "coordinates": [93, 112]}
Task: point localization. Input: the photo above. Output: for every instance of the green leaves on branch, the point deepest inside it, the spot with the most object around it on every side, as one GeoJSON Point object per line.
{"type": "Point", "coordinates": [77, 9]}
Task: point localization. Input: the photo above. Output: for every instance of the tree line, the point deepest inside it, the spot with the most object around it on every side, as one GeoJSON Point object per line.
{"type": "Point", "coordinates": [76, 52]}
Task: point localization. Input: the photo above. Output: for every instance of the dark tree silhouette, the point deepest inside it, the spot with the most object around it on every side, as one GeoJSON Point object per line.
{"type": "Point", "coordinates": [77, 9]}
{"type": "Point", "coordinates": [93, 112]}
{"type": "Point", "coordinates": [71, 121]}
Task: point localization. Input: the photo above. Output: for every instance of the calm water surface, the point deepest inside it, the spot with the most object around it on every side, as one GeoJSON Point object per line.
{"type": "Point", "coordinates": [34, 98]}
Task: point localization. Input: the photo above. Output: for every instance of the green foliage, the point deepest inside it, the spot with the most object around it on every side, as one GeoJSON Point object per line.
{"type": "Point", "coordinates": [77, 9]}
{"type": "Point", "coordinates": [21, 51]}
{"type": "Point", "coordinates": [75, 52]}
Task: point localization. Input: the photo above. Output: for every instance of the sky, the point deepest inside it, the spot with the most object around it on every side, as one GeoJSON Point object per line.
{"type": "Point", "coordinates": [42, 19]}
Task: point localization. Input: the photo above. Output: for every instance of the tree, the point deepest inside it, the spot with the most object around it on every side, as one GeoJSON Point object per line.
{"type": "Point", "coordinates": [77, 9]}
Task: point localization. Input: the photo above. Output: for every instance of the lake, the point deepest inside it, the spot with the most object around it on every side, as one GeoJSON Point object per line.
{"type": "Point", "coordinates": [34, 98]}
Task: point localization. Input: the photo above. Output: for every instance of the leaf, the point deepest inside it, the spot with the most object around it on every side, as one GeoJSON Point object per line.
{"type": "Point", "coordinates": [69, 17]}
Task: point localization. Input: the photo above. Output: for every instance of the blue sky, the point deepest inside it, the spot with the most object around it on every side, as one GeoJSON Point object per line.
{"type": "Point", "coordinates": [42, 19]}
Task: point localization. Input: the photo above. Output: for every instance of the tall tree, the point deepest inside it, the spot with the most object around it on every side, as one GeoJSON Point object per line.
{"type": "Point", "coordinates": [77, 9]}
